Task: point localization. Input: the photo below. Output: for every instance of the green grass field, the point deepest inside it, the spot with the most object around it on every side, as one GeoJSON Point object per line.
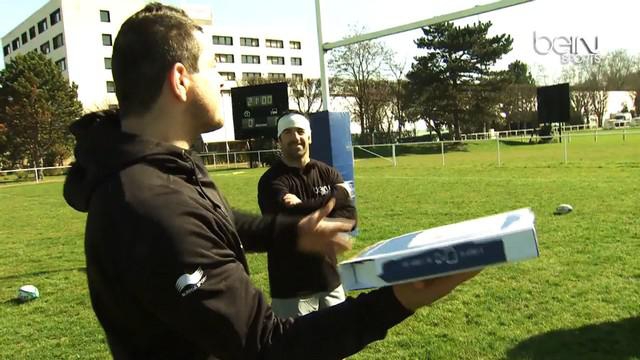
{"type": "Point", "coordinates": [579, 300]}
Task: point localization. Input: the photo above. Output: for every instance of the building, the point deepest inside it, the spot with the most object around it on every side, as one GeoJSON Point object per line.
{"type": "Point", "coordinates": [78, 36]}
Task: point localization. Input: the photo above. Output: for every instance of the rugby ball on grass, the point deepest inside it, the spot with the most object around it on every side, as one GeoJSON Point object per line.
{"type": "Point", "coordinates": [27, 293]}
{"type": "Point", "coordinates": [563, 209]}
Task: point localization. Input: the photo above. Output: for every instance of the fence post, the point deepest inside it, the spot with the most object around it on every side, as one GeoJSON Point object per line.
{"type": "Point", "coordinates": [624, 133]}
{"type": "Point", "coordinates": [393, 153]}
{"type": "Point", "coordinates": [353, 155]}
{"type": "Point", "coordinates": [595, 135]}
{"type": "Point", "coordinates": [564, 141]}
{"type": "Point", "coordinates": [235, 161]}
{"type": "Point", "coordinates": [498, 143]}
{"type": "Point", "coordinates": [442, 151]}
{"type": "Point", "coordinates": [214, 161]}
{"type": "Point", "coordinates": [36, 173]}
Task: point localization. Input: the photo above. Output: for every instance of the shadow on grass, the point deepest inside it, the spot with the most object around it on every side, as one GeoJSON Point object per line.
{"type": "Point", "coordinates": [45, 272]}
{"type": "Point", "coordinates": [609, 340]}
{"type": "Point", "coordinates": [518, 143]}
{"type": "Point", "coordinates": [14, 302]}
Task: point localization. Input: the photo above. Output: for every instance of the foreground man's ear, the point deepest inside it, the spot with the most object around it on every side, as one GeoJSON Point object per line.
{"type": "Point", "coordinates": [179, 81]}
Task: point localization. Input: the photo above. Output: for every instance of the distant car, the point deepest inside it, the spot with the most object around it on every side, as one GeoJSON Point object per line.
{"type": "Point", "coordinates": [635, 121]}
{"type": "Point", "coordinates": [619, 120]}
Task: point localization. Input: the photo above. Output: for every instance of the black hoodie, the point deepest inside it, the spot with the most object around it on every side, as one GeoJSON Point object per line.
{"type": "Point", "coordinates": [166, 264]}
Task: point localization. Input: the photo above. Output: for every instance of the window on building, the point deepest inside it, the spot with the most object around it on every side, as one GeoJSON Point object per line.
{"type": "Point", "coordinates": [296, 77]}
{"type": "Point", "coordinates": [224, 58]}
{"type": "Point", "coordinates": [6, 50]}
{"type": "Point", "coordinates": [279, 76]}
{"type": "Point", "coordinates": [250, 59]}
{"type": "Point", "coordinates": [62, 64]}
{"type": "Point", "coordinates": [107, 63]}
{"type": "Point", "coordinates": [106, 40]}
{"type": "Point", "coordinates": [45, 48]}
{"type": "Point", "coordinates": [270, 43]}
{"type": "Point", "coordinates": [24, 38]}
{"type": "Point", "coordinates": [222, 40]}
{"type": "Point", "coordinates": [15, 44]}
{"type": "Point", "coordinates": [58, 41]}
{"type": "Point", "coordinates": [295, 45]}
{"type": "Point", "coordinates": [229, 76]}
{"type": "Point", "coordinates": [249, 42]}
{"type": "Point", "coordinates": [275, 60]}
{"type": "Point", "coordinates": [111, 87]}
{"type": "Point", "coordinates": [105, 16]}
{"type": "Point", "coordinates": [251, 75]}
{"type": "Point", "coordinates": [32, 32]}
{"type": "Point", "coordinates": [55, 17]}
{"type": "Point", "coordinates": [296, 61]}
{"type": "Point", "coordinates": [42, 26]}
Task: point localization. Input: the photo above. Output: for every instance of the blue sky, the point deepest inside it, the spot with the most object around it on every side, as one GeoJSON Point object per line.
{"type": "Point", "coordinates": [613, 21]}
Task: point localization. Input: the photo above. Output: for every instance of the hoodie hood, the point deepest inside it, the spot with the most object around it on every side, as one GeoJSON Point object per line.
{"type": "Point", "coordinates": [102, 150]}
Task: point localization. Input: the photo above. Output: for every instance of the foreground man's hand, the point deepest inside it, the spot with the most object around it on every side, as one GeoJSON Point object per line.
{"type": "Point", "coordinates": [291, 200]}
{"type": "Point", "coordinates": [321, 235]}
{"type": "Point", "coordinates": [417, 294]}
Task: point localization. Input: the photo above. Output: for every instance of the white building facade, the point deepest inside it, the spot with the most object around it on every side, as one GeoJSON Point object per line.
{"type": "Point", "coordinates": [78, 36]}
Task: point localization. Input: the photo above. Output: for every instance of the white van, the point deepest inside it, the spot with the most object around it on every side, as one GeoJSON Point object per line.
{"type": "Point", "coordinates": [619, 120]}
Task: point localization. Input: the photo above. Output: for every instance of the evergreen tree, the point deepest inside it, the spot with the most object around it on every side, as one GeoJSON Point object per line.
{"type": "Point", "coordinates": [448, 84]}
{"type": "Point", "coordinates": [37, 104]}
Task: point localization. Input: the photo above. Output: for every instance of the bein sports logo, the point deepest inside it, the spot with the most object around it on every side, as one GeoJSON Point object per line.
{"type": "Point", "coordinates": [570, 49]}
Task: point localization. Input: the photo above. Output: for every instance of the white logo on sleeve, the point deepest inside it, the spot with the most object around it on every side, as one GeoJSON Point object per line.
{"type": "Point", "coordinates": [188, 283]}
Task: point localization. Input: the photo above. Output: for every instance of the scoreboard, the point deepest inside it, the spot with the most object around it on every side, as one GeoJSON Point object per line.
{"type": "Point", "coordinates": [256, 109]}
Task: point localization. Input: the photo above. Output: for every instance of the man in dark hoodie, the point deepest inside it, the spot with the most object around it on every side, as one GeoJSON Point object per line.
{"type": "Point", "coordinates": [165, 253]}
{"type": "Point", "coordinates": [296, 184]}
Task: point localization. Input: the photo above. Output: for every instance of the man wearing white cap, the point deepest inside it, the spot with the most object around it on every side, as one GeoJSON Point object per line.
{"type": "Point", "coordinates": [302, 283]}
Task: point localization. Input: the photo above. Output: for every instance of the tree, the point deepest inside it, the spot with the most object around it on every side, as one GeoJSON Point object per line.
{"type": "Point", "coordinates": [3, 147]}
{"type": "Point", "coordinates": [618, 66]}
{"type": "Point", "coordinates": [596, 82]}
{"type": "Point", "coordinates": [360, 65]}
{"type": "Point", "coordinates": [37, 104]}
{"type": "Point", "coordinates": [591, 82]}
{"type": "Point", "coordinates": [257, 80]}
{"type": "Point", "coordinates": [458, 59]}
{"type": "Point", "coordinates": [306, 94]}
{"type": "Point", "coordinates": [380, 111]}
{"type": "Point", "coordinates": [598, 100]}
{"type": "Point", "coordinates": [519, 95]}
{"type": "Point", "coordinates": [398, 91]}
{"type": "Point", "coordinates": [633, 81]}
{"type": "Point", "coordinates": [485, 105]}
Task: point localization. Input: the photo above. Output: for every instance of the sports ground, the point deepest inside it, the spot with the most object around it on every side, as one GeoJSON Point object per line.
{"type": "Point", "coordinates": [579, 300]}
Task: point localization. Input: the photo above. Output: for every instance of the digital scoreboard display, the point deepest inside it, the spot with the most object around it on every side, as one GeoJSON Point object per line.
{"type": "Point", "coordinates": [259, 100]}
{"type": "Point", "coordinates": [256, 109]}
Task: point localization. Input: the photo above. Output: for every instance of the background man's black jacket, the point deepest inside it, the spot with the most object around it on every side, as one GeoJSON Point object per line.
{"type": "Point", "coordinates": [292, 273]}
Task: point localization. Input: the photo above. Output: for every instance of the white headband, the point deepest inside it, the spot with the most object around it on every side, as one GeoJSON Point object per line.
{"type": "Point", "coordinates": [293, 120]}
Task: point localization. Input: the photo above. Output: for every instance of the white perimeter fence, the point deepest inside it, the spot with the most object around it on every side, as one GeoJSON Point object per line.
{"type": "Point", "coordinates": [391, 152]}
{"type": "Point", "coordinates": [573, 140]}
